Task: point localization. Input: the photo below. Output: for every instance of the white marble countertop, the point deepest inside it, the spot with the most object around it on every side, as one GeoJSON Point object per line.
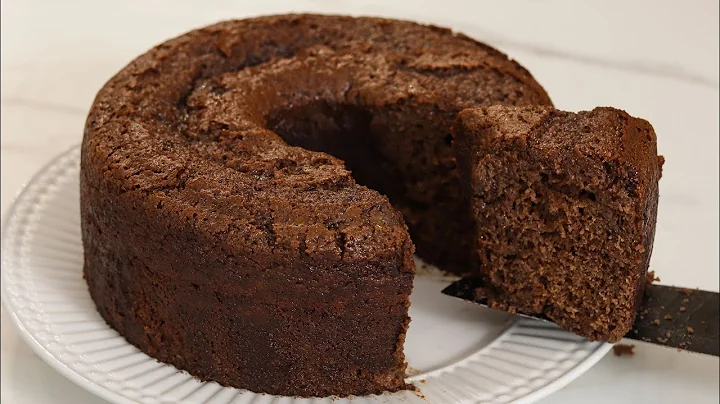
{"type": "Point", "coordinates": [655, 59]}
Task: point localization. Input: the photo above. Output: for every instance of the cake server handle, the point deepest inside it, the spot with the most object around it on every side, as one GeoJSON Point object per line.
{"type": "Point", "coordinates": [674, 317]}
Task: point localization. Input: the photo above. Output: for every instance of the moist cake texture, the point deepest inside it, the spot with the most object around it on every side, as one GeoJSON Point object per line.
{"type": "Point", "coordinates": [565, 207]}
{"type": "Point", "coordinates": [223, 230]}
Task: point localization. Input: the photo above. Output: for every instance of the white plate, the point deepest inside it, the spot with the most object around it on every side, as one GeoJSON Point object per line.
{"type": "Point", "coordinates": [457, 352]}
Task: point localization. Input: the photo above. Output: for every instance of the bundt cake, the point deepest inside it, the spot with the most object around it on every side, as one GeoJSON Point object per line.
{"type": "Point", "coordinates": [222, 228]}
{"type": "Point", "coordinates": [252, 194]}
{"type": "Point", "coordinates": [565, 207]}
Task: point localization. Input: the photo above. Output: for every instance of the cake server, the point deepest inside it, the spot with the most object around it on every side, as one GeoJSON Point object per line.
{"type": "Point", "coordinates": [669, 316]}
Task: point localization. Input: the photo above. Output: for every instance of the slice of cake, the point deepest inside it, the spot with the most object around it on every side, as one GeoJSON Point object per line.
{"type": "Point", "coordinates": [565, 207]}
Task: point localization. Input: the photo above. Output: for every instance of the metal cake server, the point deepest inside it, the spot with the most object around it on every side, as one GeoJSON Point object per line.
{"type": "Point", "coordinates": [669, 316]}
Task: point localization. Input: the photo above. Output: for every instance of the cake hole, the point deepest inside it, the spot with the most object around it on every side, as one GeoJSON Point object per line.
{"type": "Point", "coordinates": [587, 195]}
{"type": "Point", "coordinates": [498, 277]}
{"type": "Point", "coordinates": [340, 130]}
{"type": "Point", "coordinates": [401, 151]}
{"type": "Point", "coordinates": [218, 90]}
{"type": "Point", "coordinates": [284, 163]}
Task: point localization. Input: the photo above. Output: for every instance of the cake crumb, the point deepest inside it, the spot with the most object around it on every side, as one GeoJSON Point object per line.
{"type": "Point", "coordinates": [684, 291]}
{"type": "Point", "coordinates": [668, 317]}
{"type": "Point", "coordinates": [480, 293]}
{"type": "Point", "coordinates": [682, 309]}
{"type": "Point", "coordinates": [651, 277]}
{"type": "Point", "coordinates": [656, 322]}
{"type": "Point", "coordinates": [690, 330]}
{"type": "Point", "coordinates": [685, 300]}
{"type": "Point", "coordinates": [623, 350]}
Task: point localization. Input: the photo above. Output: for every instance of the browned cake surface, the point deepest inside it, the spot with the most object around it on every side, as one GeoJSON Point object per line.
{"type": "Point", "coordinates": [221, 239]}
{"type": "Point", "coordinates": [565, 207]}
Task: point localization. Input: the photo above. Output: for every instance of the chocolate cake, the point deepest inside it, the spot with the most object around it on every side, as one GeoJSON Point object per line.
{"type": "Point", "coordinates": [223, 230]}
{"type": "Point", "coordinates": [564, 207]}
